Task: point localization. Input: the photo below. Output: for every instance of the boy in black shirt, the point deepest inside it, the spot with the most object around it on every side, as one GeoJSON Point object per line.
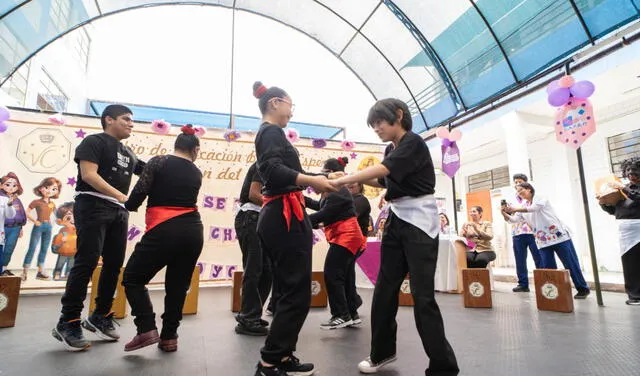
{"type": "Point", "coordinates": [409, 243]}
{"type": "Point", "coordinates": [256, 280]}
{"type": "Point", "coordinates": [105, 168]}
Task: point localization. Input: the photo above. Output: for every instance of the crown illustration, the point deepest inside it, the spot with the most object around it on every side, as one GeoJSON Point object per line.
{"type": "Point", "coordinates": [46, 138]}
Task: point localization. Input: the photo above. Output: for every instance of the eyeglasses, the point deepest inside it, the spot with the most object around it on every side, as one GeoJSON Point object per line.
{"type": "Point", "coordinates": [293, 106]}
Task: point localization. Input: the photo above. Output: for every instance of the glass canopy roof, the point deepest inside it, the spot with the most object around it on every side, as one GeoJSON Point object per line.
{"type": "Point", "coordinates": [442, 58]}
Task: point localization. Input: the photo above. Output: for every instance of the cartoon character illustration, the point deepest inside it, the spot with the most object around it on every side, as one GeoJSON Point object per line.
{"type": "Point", "coordinates": [48, 189]}
{"type": "Point", "coordinates": [64, 243]}
{"type": "Point", "coordinates": [368, 191]}
{"type": "Point", "coordinates": [10, 187]}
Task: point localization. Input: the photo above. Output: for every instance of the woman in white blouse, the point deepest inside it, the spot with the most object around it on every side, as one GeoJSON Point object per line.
{"type": "Point", "coordinates": [552, 236]}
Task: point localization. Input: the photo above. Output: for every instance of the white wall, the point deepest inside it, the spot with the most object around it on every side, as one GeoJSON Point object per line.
{"type": "Point", "coordinates": [555, 175]}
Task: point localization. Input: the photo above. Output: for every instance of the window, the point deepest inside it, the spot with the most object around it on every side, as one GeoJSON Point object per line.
{"type": "Point", "coordinates": [16, 87]}
{"type": "Point", "coordinates": [81, 46]}
{"type": "Point", "coordinates": [623, 146]}
{"type": "Point", "coordinates": [60, 12]}
{"type": "Point", "coordinates": [50, 96]}
{"type": "Point", "coordinates": [492, 179]}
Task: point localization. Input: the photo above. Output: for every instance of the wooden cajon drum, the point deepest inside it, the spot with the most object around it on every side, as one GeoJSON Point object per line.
{"type": "Point", "coordinates": [191, 301]}
{"type": "Point", "coordinates": [236, 294]}
{"type": "Point", "coordinates": [477, 288]}
{"type": "Point", "coordinates": [553, 290]}
{"type": "Point", "coordinates": [119, 305]}
{"type": "Point", "coordinates": [9, 294]}
{"type": "Point", "coordinates": [404, 297]}
{"type": "Point", "coordinates": [318, 290]}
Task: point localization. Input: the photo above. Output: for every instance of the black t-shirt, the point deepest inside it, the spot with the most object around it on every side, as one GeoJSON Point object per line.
{"type": "Point", "coordinates": [252, 176]}
{"type": "Point", "coordinates": [337, 206]}
{"type": "Point", "coordinates": [411, 169]}
{"type": "Point", "coordinates": [363, 211]}
{"type": "Point", "coordinates": [168, 181]}
{"type": "Point", "coordinates": [116, 162]}
{"type": "Point", "coordinates": [278, 161]}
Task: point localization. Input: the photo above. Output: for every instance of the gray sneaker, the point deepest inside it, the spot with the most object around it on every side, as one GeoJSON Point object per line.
{"type": "Point", "coordinates": [70, 334]}
{"type": "Point", "coordinates": [102, 326]}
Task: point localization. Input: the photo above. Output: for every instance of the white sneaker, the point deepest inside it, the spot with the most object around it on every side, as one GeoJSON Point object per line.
{"type": "Point", "coordinates": [367, 366]}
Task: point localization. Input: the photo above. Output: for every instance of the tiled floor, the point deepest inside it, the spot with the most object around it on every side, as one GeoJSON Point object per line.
{"type": "Point", "coordinates": [512, 339]}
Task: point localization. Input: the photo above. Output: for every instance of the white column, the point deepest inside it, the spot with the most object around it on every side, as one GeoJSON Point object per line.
{"type": "Point", "coordinates": [516, 142]}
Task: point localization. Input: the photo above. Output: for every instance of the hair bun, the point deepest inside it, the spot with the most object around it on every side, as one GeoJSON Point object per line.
{"type": "Point", "coordinates": [188, 129]}
{"type": "Point", "coordinates": [344, 161]}
{"type": "Point", "coordinates": [259, 89]}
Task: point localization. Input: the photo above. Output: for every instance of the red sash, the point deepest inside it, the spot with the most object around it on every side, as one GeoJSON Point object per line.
{"type": "Point", "coordinates": [158, 214]}
{"type": "Point", "coordinates": [292, 202]}
{"type": "Point", "coordinates": [346, 233]}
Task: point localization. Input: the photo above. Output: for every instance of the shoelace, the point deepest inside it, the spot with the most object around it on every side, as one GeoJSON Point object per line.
{"type": "Point", "coordinates": [109, 320]}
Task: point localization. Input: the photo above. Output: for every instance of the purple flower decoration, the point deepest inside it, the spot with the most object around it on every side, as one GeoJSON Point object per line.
{"type": "Point", "coordinates": [231, 135]}
{"type": "Point", "coordinates": [310, 190]}
{"type": "Point", "coordinates": [319, 143]}
{"type": "Point", "coordinates": [160, 126]}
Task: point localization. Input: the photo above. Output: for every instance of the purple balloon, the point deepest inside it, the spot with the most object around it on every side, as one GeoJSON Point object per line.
{"type": "Point", "coordinates": [582, 89]}
{"type": "Point", "coordinates": [3, 127]}
{"type": "Point", "coordinates": [553, 85]}
{"type": "Point", "coordinates": [4, 113]}
{"type": "Point", "coordinates": [558, 97]}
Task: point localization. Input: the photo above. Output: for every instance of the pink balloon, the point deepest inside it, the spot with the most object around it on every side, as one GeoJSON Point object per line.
{"type": "Point", "coordinates": [558, 97]}
{"type": "Point", "coordinates": [4, 113]}
{"type": "Point", "coordinates": [442, 132]}
{"type": "Point", "coordinates": [3, 127]}
{"type": "Point", "coordinates": [455, 135]}
{"type": "Point", "coordinates": [566, 82]}
{"type": "Point", "coordinates": [582, 89]}
{"type": "Point", "coordinates": [552, 86]}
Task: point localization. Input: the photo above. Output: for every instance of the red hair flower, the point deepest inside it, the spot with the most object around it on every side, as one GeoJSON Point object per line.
{"type": "Point", "coordinates": [188, 129]}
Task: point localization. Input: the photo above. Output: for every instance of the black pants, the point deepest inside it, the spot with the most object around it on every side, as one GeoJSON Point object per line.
{"type": "Point", "coordinates": [337, 268]}
{"type": "Point", "coordinates": [631, 271]}
{"type": "Point", "coordinates": [405, 248]}
{"type": "Point", "coordinates": [176, 244]}
{"type": "Point", "coordinates": [479, 260]}
{"type": "Point", "coordinates": [290, 255]}
{"type": "Point", "coordinates": [101, 227]}
{"type": "Point", "coordinates": [256, 280]}
{"type": "Point", "coordinates": [353, 299]}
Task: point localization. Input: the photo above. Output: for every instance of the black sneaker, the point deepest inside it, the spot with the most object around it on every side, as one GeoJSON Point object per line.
{"type": "Point", "coordinates": [582, 294]}
{"type": "Point", "coordinates": [633, 302]}
{"type": "Point", "coordinates": [520, 289]}
{"type": "Point", "coordinates": [264, 323]}
{"type": "Point", "coordinates": [356, 320]}
{"type": "Point", "coordinates": [269, 371]}
{"type": "Point", "coordinates": [337, 322]}
{"type": "Point", "coordinates": [293, 367]}
{"type": "Point", "coordinates": [251, 330]}
{"type": "Point", "coordinates": [8, 273]}
{"type": "Point", "coordinates": [70, 334]}
{"type": "Point", "coordinates": [102, 326]}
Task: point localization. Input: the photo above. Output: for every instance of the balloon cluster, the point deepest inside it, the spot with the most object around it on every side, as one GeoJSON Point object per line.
{"type": "Point", "coordinates": [561, 91]}
{"type": "Point", "coordinates": [4, 116]}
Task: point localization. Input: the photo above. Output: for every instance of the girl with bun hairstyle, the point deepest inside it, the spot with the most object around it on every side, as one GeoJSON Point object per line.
{"type": "Point", "coordinates": [285, 231]}
{"type": "Point", "coordinates": [173, 238]}
{"type": "Point", "coordinates": [336, 211]}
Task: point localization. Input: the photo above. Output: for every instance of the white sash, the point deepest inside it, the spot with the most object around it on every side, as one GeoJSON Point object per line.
{"type": "Point", "coordinates": [629, 234]}
{"type": "Point", "coordinates": [421, 212]}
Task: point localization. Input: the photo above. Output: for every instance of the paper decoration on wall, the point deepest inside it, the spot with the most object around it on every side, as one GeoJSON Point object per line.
{"type": "Point", "coordinates": [347, 145]}
{"type": "Point", "coordinates": [231, 135]}
{"type": "Point", "coordinates": [160, 127]}
{"type": "Point", "coordinates": [575, 122]}
{"type": "Point", "coordinates": [57, 119]}
{"type": "Point", "coordinates": [4, 116]}
{"type": "Point", "coordinates": [450, 151]}
{"type": "Point", "coordinates": [200, 131]}
{"type": "Point", "coordinates": [292, 135]}
{"type": "Point", "coordinates": [318, 143]}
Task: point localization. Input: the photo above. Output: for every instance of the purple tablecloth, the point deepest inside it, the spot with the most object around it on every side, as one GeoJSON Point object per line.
{"type": "Point", "coordinates": [369, 262]}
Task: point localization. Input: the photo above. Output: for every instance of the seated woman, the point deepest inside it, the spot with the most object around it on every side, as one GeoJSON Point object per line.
{"type": "Point", "coordinates": [444, 224]}
{"type": "Point", "coordinates": [478, 235]}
